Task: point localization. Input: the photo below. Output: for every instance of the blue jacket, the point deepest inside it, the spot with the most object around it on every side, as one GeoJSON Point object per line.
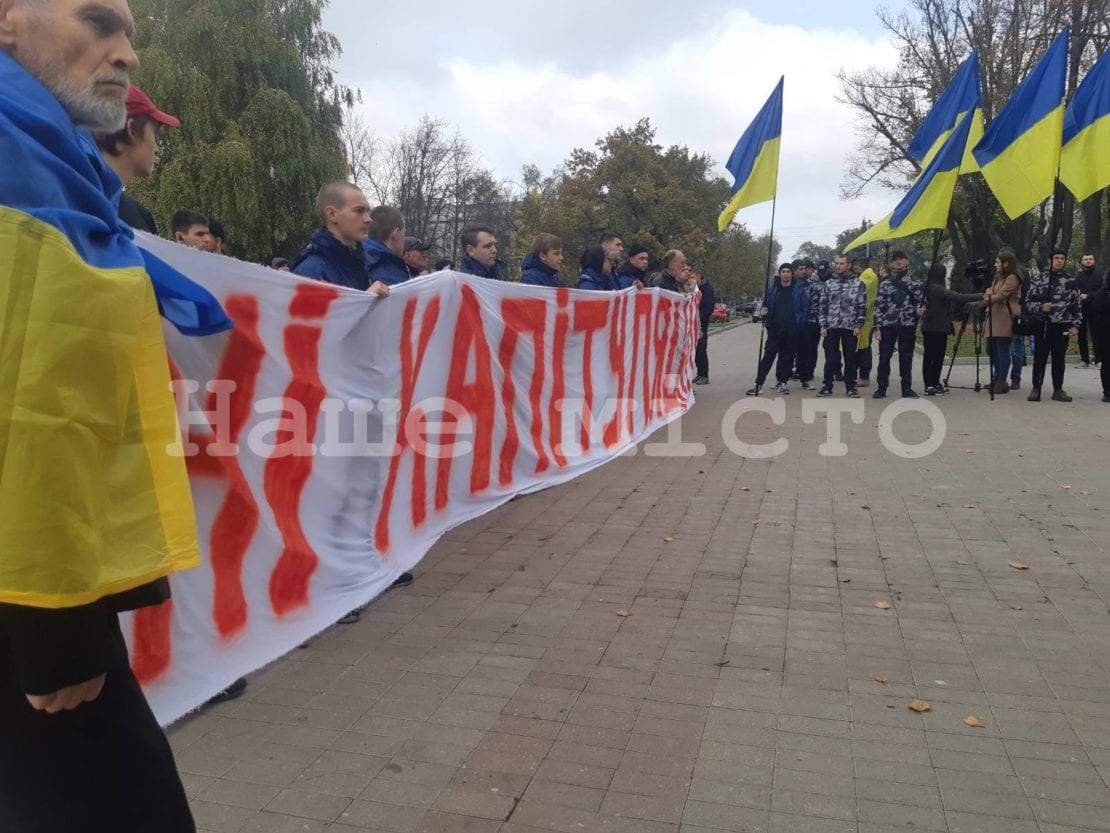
{"type": "Point", "coordinates": [592, 279]}
{"type": "Point", "coordinates": [538, 273]}
{"type": "Point", "coordinates": [628, 274]}
{"type": "Point", "coordinates": [326, 259]}
{"type": "Point", "coordinates": [472, 267]}
{"type": "Point", "coordinates": [801, 302]}
{"type": "Point", "coordinates": [383, 264]}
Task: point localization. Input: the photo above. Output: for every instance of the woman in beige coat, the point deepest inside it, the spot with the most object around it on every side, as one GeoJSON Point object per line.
{"type": "Point", "coordinates": [1004, 301]}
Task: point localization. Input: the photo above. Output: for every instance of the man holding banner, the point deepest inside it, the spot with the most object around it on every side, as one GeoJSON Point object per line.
{"type": "Point", "coordinates": [94, 513]}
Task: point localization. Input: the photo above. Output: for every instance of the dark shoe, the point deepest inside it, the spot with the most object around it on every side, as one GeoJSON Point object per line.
{"type": "Point", "coordinates": [825, 391]}
{"type": "Point", "coordinates": [701, 380]}
{"type": "Point", "coordinates": [806, 385]}
{"type": "Point", "coordinates": [852, 393]}
{"type": "Point", "coordinates": [403, 580]}
{"type": "Point", "coordinates": [930, 391]}
{"type": "Point", "coordinates": [1106, 397]}
{"type": "Point", "coordinates": [910, 393]}
{"type": "Point", "coordinates": [879, 394]}
{"type": "Point", "coordinates": [1015, 384]}
{"type": "Point", "coordinates": [783, 389]}
{"type": "Point", "coordinates": [838, 377]}
{"type": "Point", "coordinates": [942, 390]}
{"type": "Point", "coordinates": [754, 390]}
{"type": "Point", "coordinates": [1034, 395]}
{"type": "Point", "coordinates": [1060, 396]}
{"type": "Point", "coordinates": [351, 617]}
{"type": "Point", "coordinates": [232, 692]}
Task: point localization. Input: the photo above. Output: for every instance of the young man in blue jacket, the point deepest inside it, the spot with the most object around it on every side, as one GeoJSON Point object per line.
{"type": "Point", "coordinates": [334, 253]}
{"type": "Point", "coordinates": [385, 247]}
{"type": "Point", "coordinates": [784, 314]}
{"type": "Point", "coordinates": [541, 267]}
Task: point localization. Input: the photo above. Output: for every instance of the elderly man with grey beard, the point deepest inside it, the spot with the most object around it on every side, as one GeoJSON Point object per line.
{"type": "Point", "coordinates": [80, 749]}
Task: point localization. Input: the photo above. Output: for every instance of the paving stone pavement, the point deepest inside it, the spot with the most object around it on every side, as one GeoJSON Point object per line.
{"type": "Point", "coordinates": [505, 692]}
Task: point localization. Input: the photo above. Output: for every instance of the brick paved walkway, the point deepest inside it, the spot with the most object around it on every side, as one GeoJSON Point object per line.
{"type": "Point", "coordinates": [507, 692]}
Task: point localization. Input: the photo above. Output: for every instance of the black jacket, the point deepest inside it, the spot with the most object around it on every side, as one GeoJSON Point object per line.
{"type": "Point", "coordinates": [708, 303]}
{"type": "Point", "coordinates": [136, 215]}
{"type": "Point", "coordinates": [628, 274]}
{"type": "Point", "coordinates": [327, 259]}
{"type": "Point", "coordinates": [664, 280]}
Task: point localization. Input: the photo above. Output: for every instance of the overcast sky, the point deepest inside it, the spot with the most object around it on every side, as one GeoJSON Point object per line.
{"type": "Point", "coordinates": [529, 81]}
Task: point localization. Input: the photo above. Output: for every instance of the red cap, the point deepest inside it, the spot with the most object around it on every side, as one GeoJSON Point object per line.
{"type": "Point", "coordinates": [139, 104]}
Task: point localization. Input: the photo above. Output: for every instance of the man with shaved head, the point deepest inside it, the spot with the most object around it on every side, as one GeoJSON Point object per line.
{"type": "Point", "coordinates": [335, 251]}
{"type": "Point", "coordinates": [80, 749]}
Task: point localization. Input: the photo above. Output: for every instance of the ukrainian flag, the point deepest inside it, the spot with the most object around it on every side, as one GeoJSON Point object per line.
{"type": "Point", "coordinates": [928, 201]}
{"type": "Point", "coordinates": [959, 98]}
{"type": "Point", "coordinates": [91, 503]}
{"type": "Point", "coordinates": [1085, 157]}
{"type": "Point", "coordinates": [1020, 152]}
{"type": "Point", "coordinates": [755, 160]}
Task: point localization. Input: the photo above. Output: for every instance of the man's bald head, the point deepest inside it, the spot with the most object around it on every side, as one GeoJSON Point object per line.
{"type": "Point", "coordinates": [80, 50]}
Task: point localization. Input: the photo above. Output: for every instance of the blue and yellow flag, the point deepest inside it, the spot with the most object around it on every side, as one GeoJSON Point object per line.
{"type": "Point", "coordinates": [1085, 157]}
{"type": "Point", "coordinates": [927, 203]}
{"type": "Point", "coordinates": [755, 160]}
{"type": "Point", "coordinates": [959, 98]}
{"type": "Point", "coordinates": [91, 503]}
{"type": "Point", "coordinates": [1019, 154]}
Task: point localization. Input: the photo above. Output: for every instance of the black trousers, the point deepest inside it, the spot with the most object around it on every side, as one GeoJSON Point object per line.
{"type": "Point", "coordinates": [836, 342]}
{"type": "Point", "coordinates": [781, 345]}
{"type": "Point", "coordinates": [936, 346]}
{"type": "Point", "coordinates": [901, 338]}
{"type": "Point", "coordinates": [1087, 325]}
{"type": "Point", "coordinates": [105, 766]}
{"type": "Point", "coordinates": [1055, 341]}
{"type": "Point", "coordinates": [865, 358]}
{"type": "Point", "coordinates": [809, 342]}
{"type": "Point", "coordinates": [701, 353]}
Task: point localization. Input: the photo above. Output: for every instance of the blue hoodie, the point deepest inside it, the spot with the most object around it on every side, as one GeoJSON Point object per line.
{"type": "Point", "coordinates": [538, 273]}
{"type": "Point", "coordinates": [593, 279]}
{"type": "Point", "coordinates": [326, 259]}
{"type": "Point", "coordinates": [384, 264]}
{"type": "Point", "coordinates": [472, 267]}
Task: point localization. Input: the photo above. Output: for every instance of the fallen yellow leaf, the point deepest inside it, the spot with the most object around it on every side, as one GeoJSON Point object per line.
{"type": "Point", "coordinates": [883, 605]}
{"type": "Point", "coordinates": [1017, 565]}
{"type": "Point", "coordinates": [973, 722]}
{"type": "Point", "coordinates": [963, 563]}
{"type": "Point", "coordinates": [669, 538]}
{"type": "Point", "coordinates": [920, 706]}
{"type": "Point", "coordinates": [969, 451]}
{"type": "Point", "coordinates": [1084, 493]}
{"type": "Point", "coordinates": [1066, 488]}
{"type": "Point", "coordinates": [969, 506]}
{"type": "Point", "coordinates": [745, 488]}
{"type": "Point", "coordinates": [882, 678]}
{"type": "Point", "coordinates": [624, 614]}
{"type": "Point", "coordinates": [756, 522]}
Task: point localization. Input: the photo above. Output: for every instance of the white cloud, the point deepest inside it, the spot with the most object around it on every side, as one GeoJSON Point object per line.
{"type": "Point", "coordinates": [701, 89]}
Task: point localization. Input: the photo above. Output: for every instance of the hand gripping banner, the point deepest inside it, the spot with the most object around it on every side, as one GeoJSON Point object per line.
{"type": "Point", "coordinates": [332, 437]}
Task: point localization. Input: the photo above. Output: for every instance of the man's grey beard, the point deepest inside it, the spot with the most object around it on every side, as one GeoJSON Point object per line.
{"type": "Point", "coordinates": [81, 102]}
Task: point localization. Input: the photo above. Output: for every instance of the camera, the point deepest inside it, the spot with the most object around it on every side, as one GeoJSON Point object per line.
{"type": "Point", "coordinates": [977, 275]}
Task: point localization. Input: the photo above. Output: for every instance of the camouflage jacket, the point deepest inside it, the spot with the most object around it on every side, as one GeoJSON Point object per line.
{"type": "Point", "coordinates": [1055, 289]}
{"type": "Point", "coordinates": [898, 300]}
{"type": "Point", "coordinates": [843, 303]}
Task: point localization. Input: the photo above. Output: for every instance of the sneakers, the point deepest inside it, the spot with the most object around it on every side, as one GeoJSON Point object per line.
{"type": "Point", "coordinates": [1015, 384]}
{"type": "Point", "coordinates": [941, 390]}
{"type": "Point", "coordinates": [754, 390]}
{"type": "Point", "coordinates": [852, 393]}
{"type": "Point", "coordinates": [879, 394]}
{"type": "Point", "coordinates": [403, 580]}
{"type": "Point", "coordinates": [701, 380]}
{"type": "Point", "coordinates": [1084, 364]}
{"type": "Point", "coordinates": [1034, 395]}
{"type": "Point", "coordinates": [783, 389]}
{"type": "Point", "coordinates": [232, 692]}
{"type": "Point", "coordinates": [1106, 397]}
{"type": "Point", "coordinates": [806, 385]}
{"type": "Point", "coordinates": [930, 391]}
{"type": "Point", "coordinates": [825, 391]}
{"type": "Point", "coordinates": [998, 387]}
{"type": "Point", "coordinates": [910, 393]}
{"type": "Point", "coordinates": [1060, 395]}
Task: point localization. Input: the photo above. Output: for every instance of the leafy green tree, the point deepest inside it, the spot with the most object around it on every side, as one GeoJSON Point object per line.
{"type": "Point", "coordinates": [261, 111]}
{"type": "Point", "coordinates": [815, 252]}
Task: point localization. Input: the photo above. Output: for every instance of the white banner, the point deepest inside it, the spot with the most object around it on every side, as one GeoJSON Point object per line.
{"type": "Point", "coordinates": [332, 437]}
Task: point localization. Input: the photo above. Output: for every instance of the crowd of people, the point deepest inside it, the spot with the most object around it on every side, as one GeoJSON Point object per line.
{"type": "Point", "coordinates": [849, 308]}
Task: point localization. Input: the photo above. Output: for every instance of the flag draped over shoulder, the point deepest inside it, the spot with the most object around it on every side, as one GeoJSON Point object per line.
{"type": "Point", "coordinates": [91, 503]}
{"type": "Point", "coordinates": [1019, 154]}
{"type": "Point", "coordinates": [755, 160]}
{"type": "Point", "coordinates": [929, 200]}
{"type": "Point", "coordinates": [1085, 156]}
{"type": "Point", "coordinates": [959, 99]}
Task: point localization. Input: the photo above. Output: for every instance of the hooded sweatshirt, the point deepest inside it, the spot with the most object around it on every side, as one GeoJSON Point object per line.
{"type": "Point", "coordinates": [327, 259]}
{"type": "Point", "coordinates": [384, 264]}
{"type": "Point", "coordinates": [537, 273]}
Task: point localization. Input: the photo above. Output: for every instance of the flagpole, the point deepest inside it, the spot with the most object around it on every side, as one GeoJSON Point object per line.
{"type": "Point", "coordinates": [767, 277]}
